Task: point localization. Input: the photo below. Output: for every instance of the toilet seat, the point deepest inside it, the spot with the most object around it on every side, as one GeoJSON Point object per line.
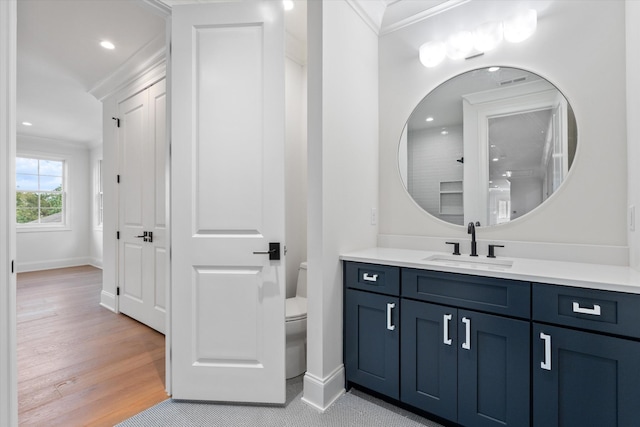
{"type": "Point", "coordinates": [295, 308]}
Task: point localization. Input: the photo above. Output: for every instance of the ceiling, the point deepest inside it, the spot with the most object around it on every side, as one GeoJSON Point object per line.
{"type": "Point", "coordinates": [60, 60]}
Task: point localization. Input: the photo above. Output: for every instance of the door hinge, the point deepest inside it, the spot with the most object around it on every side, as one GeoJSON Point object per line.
{"type": "Point", "coordinates": [117, 235]}
{"type": "Point", "coordinates": [117, 121]}
{"type": "Point", "coordinates": [118, 290]}
{"type": "Point", "coordinates": [118, 179]}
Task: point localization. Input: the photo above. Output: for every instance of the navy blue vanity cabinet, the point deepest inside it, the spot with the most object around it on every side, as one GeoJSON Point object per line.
{"type": "Point", "coordinates": [583, 374]}
{"type": "Point", "coordinates": [372, 328]}
{"type": "Point", "coordinates": [465, 365]}
{"type": "Point", "coordinates": [430, 358]}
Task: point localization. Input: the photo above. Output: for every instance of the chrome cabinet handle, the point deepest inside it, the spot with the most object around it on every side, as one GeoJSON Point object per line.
{"type": "Point", "coordinates": [595, 311]}
{"type": "Point", "coordinates": [390, 307]}
{"type": "Point", "coordinates": [467, 333]}
{"type": "Point", "coordinates": [445, 322]}
{"type": "Point", "coordinates": [546, 363]}
{"type": "Point", "coordinates": [372, 278]}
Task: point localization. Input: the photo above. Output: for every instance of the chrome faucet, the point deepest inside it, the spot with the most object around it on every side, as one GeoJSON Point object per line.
{"type": "Point", "coordinates": [471, 229]}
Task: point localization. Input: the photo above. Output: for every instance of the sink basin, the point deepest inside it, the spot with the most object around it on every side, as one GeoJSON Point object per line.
{"type": "Point", "coordinates": [471, 262]}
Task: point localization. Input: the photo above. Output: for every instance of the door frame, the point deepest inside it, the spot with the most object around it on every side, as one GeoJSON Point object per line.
{"type": "Point", "coordinates": [8, 344]}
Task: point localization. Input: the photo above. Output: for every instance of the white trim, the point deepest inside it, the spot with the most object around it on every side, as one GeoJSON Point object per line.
{"type": "Point", "coordinates": [320, 393]}
{"type": "Point", "coordinates": [95, 262]}
{"type": "Point", "coordinates": [149, 57]}
{"type": "Point", "coordinates": [108, 301]}
{"type": "Point", "coordinates": [23, 267]}
{"type": "Point", "coordinates": [8, 346]}
{"type": "Point", "coordinates": [418, 17]}
{"type": "Point", "coordinates": [365, 10]}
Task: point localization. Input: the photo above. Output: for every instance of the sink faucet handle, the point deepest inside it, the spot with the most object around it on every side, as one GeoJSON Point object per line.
{"type": "Point", "coordinates": [492, 250]}
{"type": "Point", "coordinates": [456, 247]}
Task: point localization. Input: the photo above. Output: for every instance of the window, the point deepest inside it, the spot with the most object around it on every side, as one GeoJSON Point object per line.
{"type": "Point", "coordinates": [40, 194]}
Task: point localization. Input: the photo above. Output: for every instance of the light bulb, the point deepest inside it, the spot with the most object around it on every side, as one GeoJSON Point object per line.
{"type": "Point", "coordinates": [432, 53]}
{"type": "Point", "coordinates": [459, 45]}
{"type": "Point", "coordinates": [487, 36]}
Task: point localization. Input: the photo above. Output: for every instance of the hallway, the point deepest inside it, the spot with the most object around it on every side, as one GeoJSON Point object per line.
{"type": "Point", "coordinates": [79, 363]}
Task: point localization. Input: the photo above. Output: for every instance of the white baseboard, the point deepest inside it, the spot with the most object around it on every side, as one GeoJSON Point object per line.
{"type": "Point", "coordinates": [23, 267]}
{"type": "Point", "coordinates": [108, 301]}
{"type": "Point", "coordinates": [95, 262]}
{"type": "Point", "coordinates": [320, 393]}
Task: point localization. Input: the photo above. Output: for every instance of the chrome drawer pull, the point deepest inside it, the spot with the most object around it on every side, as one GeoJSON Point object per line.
{"type": "Point", "coordinates": [390, 325]}
{"type": "Point", "coordinates": [467, 333]}
{"type": "Point", "coordinates": [372, 278]}
{"type": "Point", "coordinates": [546, 363]}
{"type": "Point", "coordinates": [445, 321]}
{"type": "Point", "coordinates": [595, 311]}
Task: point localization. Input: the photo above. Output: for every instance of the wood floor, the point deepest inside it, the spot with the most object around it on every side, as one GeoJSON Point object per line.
{"type": "Point", "coordinates": [80, 364]}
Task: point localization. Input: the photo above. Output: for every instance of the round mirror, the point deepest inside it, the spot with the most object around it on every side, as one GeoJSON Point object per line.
{"type": "Point", "coordinates": [489, 145]}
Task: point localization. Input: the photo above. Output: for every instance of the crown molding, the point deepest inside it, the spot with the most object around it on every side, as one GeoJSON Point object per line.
{"type": "Point", "coordinates": [148, 57]}
{"type": "Point", "coordinates": [370, 11]}
{"type": "Point", "coordinates": [418, 17]}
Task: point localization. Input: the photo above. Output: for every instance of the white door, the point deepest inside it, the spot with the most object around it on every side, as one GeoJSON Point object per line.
{"type": "Point", "coordinates": [227, 315]}
{"type": "Point", "coordinates": [142, 249]}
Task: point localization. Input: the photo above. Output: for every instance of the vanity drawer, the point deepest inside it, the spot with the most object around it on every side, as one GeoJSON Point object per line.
{"type": "Point", "coordinates": [605, 311]}
{"type": "Point", "coordinates": [493, 295]}
{"type": "Point", "coordinates": [372, 277]}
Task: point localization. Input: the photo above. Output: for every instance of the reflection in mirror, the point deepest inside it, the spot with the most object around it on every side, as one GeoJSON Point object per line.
{"type": "Point", "coordinates": [489, 145]}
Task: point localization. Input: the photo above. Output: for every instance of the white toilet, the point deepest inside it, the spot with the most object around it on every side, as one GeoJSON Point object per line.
{"type": "Point", "coordinates": [296, 329]}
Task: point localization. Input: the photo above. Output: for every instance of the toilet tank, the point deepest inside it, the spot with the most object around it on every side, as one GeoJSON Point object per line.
{"type": "Point", "coordinates": [301, 288]}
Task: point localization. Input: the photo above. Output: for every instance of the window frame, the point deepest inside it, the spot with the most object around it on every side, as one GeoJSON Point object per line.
{"type": "Point", "coordinates": [39, 227]}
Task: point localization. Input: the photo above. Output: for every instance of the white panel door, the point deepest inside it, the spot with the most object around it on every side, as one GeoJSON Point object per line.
{"type": "Point", "coordinates": [142, 260]}
{"type": "Point", "coordinates": [228, 318]}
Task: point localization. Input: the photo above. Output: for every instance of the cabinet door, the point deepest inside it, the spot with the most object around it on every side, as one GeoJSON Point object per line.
{"type": "Point", "coordinates": [372, 341]}
{"type": "Point", "coordinates": [429, 360]}
{"type": "Point", "coordinates": [493, 370]}
{"type": "Point", "coordinates": [584, 379]}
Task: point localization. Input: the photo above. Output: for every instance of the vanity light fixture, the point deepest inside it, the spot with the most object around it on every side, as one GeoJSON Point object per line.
{"type": "Point", "coordinates": [107, 45]}
{"type": "Point", "coordinates": [288, 4]}
{"type": "Point", "coordinates": [459, 45]}
{"type": "Point", "coordinates": [432, 53]}
{"type": "Point", "coordinates": [488, 36]}
{"type": "Point", "coordinates": [483, 38]}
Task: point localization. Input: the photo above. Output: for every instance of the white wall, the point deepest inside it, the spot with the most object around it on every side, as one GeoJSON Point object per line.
{"type": "Point", "coordinates": [296, 171]}
{"type": "Point", "coordinates": [8, 370]}
{"type": "Point", "coordinates": [343, 176]}
{"type": "Point", "coordinates": [633, 125]}
{"type": "Point", "coordinates": [41, 250]}
{"type": "Point", "coordinates": [95, 229]}
{"type": "Point", "coordinates": [588, 66]}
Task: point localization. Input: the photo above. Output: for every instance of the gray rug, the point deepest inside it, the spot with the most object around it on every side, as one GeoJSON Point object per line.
{"type": "Point", "coordinates": [355, 408]}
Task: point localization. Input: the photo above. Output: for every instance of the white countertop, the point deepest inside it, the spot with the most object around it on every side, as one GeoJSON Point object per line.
{"type": "Point", "coordinates": [592, 276]}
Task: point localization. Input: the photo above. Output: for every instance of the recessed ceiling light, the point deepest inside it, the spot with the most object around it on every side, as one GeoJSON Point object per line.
{"type": "Point", "coordinates": [493, 69]}
{"type": "Point", "coordinates": [288, 4]}
{"type": "Point", "coordinates": [107, 44]}
{"type": "Point", "coordinates": [27, 124]}
{"type": "Point", "coordinates": [495, 159]}
{"type": "Point", "coordinates": [429, 119]}
{"type": "Point", "coordinates": [444, 132]}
